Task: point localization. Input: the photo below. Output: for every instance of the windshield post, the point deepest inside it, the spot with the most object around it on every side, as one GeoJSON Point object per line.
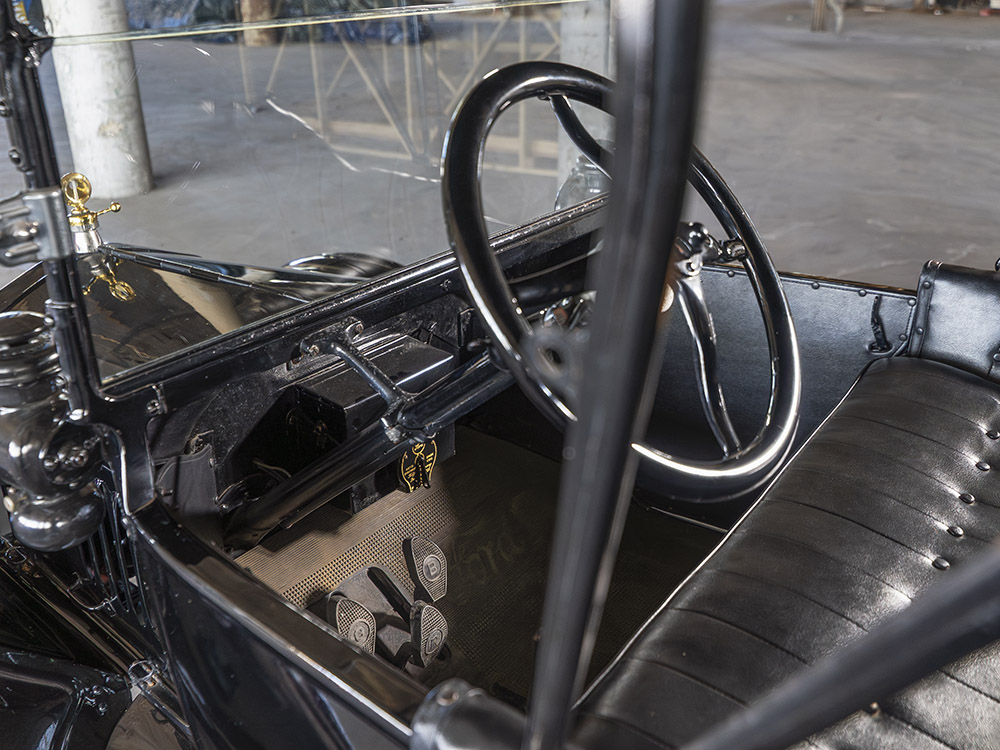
{"type": "Point", "coordinates": [33, 153]}
{"type": "Point", "coordinates": [659, 51]}
{"type": "Point", "coordinates": [32, 150]}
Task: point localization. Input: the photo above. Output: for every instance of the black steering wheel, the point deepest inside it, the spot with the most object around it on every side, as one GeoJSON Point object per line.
{"type": "Point", "coordinates": [742, 467]}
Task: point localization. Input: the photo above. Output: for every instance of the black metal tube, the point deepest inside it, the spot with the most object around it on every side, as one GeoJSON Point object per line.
{"type": "Point", "coordinates": [581, 137]}
{"type": "Point", "coordinates": [72, 335]}
{"type": "Point", "coordinates": [654, 106]}
{"type": "Point", "coordinates": [32, 149]}
{"type": "Point", "coordinates": [950, 620]}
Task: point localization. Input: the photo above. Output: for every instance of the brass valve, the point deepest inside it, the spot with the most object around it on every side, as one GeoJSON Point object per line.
{"type": "Point", "coordinates": [76, 190]}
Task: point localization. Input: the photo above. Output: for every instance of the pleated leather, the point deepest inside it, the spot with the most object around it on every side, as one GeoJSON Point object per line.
{"type": "Point", "coordinates": [859, 523]}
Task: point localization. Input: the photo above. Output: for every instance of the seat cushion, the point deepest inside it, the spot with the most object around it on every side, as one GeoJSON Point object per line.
{"type": "Point", "coordinates": [894, 491]}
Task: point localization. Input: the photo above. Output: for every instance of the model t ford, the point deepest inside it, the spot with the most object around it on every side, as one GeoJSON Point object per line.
{"type": "Point", "coordinates": [601, 479]}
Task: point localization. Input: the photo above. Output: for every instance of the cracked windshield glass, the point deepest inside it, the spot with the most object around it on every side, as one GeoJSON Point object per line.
{"type": "Point", "coordinates": [293, 147]}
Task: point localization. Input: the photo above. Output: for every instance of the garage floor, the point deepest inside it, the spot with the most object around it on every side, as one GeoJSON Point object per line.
{"type": "Point", "coordinates": [859, 155]}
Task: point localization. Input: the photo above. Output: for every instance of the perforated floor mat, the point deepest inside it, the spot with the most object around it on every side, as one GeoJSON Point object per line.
{"type": "Point", "coordinates": [491, 509]}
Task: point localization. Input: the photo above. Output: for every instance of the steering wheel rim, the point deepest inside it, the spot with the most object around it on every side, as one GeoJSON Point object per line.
{"type": "Point", "coordinates": [489, 291]}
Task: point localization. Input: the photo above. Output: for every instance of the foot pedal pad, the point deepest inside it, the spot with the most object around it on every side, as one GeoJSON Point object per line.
{"type": "Point", "coordinates": [352, 620]}
{"type": "Point", "coordinates": [428, 568]}
{"type": "Point", "coordinates": [428, 632]}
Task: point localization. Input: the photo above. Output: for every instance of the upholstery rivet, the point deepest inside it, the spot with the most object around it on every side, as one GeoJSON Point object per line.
{"type": "Point", "coordinates": [967, 498]}
{"type": "Point", "coordinates": [731, 273]}
{"type": "Point", "coordinates": [983, 466]}
{"type": "Point", "coordinates": [815, 285]}
{"type": "Point", "coordinates": [920, 330]}
{"type": "Point", "coordinates": [941, 564]}
{"type": "Point", "coordinates": [902, 337]}
{"type": "Point", "coordinates": [956, 531]}
{"type": "Point", "coordinates": [927, 285]}
{"type": "Point", "coordinates": [996, 357]}
{"type": "Point", "coordinates": [862, 292]}
{"type": "Point", "coordinates": [911, 302]}
{"type": "Point", "coordinates": [993, 434]}
{"type": "Point", "coordinates": [873, 708]}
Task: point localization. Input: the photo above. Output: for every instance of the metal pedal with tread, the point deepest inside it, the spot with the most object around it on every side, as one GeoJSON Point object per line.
{"type": "Point", "coordinates": [352, 620]}
{"type": "Point", "coordinates": [428, 632]}
{"type": "Point", "coordinates": [428, 568]}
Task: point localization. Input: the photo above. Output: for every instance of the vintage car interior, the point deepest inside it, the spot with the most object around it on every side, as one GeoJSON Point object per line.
{"type": "Point", "coordinates": [315, 506]}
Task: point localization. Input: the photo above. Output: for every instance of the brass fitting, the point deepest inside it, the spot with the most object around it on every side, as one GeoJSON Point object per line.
{"type": "Point", "coordinates": [76, 190]}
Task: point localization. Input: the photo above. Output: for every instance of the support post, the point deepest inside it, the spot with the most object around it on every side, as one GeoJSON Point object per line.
{"type": "Point", "coordinates": [257, 10]}
{"type": "Point", "coordinates": [100, 97]}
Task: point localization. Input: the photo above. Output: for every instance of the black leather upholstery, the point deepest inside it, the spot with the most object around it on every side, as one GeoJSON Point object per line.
{"type": "Point", "coordinates": [896, 489]}
{"type": "Point", "coordinates": [949, 299]}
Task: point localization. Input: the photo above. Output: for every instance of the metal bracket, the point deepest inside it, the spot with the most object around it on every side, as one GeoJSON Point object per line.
{"type": "Point", "coordinates": [339, 339]}
{"type": "Point", "coordinates": [693, 239]}
{"type": "Point", "coordinates": [556, 355]}
{"type": "Point", "coordinates": [147, 677]}
{"type": "Point", "coordinates": [33, 227]}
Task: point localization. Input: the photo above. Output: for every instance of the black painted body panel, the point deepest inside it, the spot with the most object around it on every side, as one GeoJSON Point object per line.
{"type": "Point", "coordinates": [52, 704]}
{"type": "Point", "coordinates": [833, 322]}
{"type": "Point", "coordinates": [281, 681]}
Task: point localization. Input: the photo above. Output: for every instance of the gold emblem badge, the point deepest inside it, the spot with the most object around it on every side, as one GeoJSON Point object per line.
{"type": "Point", "coordinates": [417, 465]}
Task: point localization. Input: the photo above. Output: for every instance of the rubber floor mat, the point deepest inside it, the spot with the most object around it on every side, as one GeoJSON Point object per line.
{"type": "Point", "coordinates": [491, 509]}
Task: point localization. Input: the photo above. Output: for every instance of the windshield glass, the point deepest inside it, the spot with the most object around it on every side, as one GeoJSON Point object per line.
{"type": "Point", "coordinates": [259, 133]}
{"type": "Point", "coordinates": [316, 131]}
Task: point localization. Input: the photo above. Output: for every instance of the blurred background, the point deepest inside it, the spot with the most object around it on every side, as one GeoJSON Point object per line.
{"type": "Point", "coordinates": [861, 139]}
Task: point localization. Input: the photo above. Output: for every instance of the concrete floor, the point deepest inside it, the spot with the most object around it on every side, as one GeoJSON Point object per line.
{"type": "Point", "coordinates": [859, 155]}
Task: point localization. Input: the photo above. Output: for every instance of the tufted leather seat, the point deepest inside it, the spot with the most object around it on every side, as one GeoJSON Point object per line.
{"type": "Point", "coordinates": [897, 488]}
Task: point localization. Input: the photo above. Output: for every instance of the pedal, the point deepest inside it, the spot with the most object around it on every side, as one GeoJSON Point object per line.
{"type": "Point", "coordinates": [352, 620]}
{"type": "Point", "coordinates": [428, 568]}
{"type": "Point", "coordinates": [428, 632]}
